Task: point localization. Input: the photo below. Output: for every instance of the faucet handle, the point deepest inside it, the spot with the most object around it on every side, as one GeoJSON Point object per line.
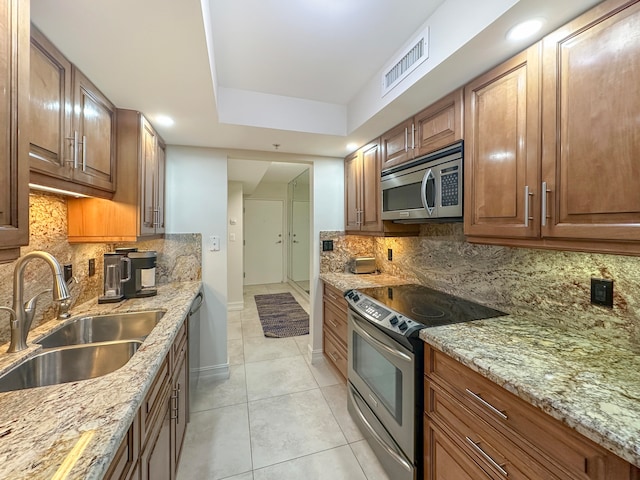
{"type": "Point", "coordinates": [30, 306]}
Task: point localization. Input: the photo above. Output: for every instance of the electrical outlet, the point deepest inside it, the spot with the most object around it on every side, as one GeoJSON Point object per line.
{"type": "Point", "coordinates": [92, 267]}
{"type": "Point", "coordinates": [327, 245]}
{"type": "Point", "coordinates": [389, 254]}
{"type": "Point", "coordinates": [602, 292]}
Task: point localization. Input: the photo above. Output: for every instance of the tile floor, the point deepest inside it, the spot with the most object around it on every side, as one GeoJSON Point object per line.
{"type": "Point", "coordinates": [277, 417]}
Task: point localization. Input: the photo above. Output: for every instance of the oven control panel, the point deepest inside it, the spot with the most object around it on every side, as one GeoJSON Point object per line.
{"type": "Point", "coordinates": [380, 315]}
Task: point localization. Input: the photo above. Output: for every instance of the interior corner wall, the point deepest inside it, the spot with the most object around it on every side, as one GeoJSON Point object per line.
{"type": "Point", "coordinates": [196, 202]}
{"type": "Point", "coordinates": [235, 260]}
{"type": "Point", "coordinates": [327, 197]}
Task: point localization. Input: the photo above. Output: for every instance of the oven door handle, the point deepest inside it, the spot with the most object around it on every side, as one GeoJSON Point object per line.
{"type": "Point", "coordinates": [378, 343]}
{"type": "Point", "coordinates": [392, 452]}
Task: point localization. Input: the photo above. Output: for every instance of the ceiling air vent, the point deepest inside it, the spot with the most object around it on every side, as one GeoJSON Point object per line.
{"type": "Point", "coordinates": [406, 62]}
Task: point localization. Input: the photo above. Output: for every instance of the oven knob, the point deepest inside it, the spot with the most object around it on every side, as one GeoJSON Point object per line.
{"type": "Point", "coordinates": [355, 297]}
{"type": "Point", "coordinates": [393, 320]}
{"type": "Point", "coordinates": [403, 325]}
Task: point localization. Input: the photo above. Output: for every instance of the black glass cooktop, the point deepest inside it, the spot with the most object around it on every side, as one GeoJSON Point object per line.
{"type": "Point", "coordinates": [430, 307]}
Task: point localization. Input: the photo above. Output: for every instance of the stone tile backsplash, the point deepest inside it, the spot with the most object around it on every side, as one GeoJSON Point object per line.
{"type": "Point", "coordinates": [552, 286]}
{"type": "Point", "coordinates": [179, 259]}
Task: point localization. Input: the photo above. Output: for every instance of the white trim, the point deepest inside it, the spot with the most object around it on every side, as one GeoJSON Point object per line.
{"type": "Point", "coordinates": [314, 356]}
{"type": "Point", "coordinates": [215, 372]}
{"type": "Point", "coordinates": [234, 306]}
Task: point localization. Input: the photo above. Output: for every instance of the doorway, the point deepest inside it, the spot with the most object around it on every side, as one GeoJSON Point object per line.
{"type": "Point", "coordinates": [298, 207]}
{"type": "Point", "coordinates": [263, 242]}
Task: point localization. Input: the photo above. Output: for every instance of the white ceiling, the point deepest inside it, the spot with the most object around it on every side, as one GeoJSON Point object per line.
{"type": "Point", "coordinates": [248, 74]}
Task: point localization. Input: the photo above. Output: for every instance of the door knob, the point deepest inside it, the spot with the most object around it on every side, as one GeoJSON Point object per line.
{"type": "Point", "coordinates": [279, 241]}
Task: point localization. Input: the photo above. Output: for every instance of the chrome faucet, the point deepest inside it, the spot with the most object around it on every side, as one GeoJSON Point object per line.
{"type": "Point", "coordinates": [23, 313]}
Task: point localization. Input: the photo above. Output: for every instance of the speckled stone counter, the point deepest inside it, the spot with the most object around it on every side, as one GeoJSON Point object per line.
{"type": "Point", "coordinates": [346, 281]}
{"type": "Point", "coordinates": [75, 428]}
{"type": "Point", "coordinates": [590, 385]}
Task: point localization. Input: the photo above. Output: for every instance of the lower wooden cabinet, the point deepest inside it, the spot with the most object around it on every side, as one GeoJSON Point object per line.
{"type": "Point", "coordinates": [476, 429]}
{"type": "Point", "coordinates": [151, 449]}
{"type": "Point", "coordinates": [334, 328]}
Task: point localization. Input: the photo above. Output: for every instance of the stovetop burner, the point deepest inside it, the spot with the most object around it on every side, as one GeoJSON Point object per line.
{"type": "Point", "coordinates": [430, 307]}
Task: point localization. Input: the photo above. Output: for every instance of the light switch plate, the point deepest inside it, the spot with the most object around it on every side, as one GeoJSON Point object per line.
{"type": "Point", "coordinates": [214, 243]}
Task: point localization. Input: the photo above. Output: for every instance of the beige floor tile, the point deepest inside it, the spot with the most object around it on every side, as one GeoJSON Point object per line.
{"type": "Point", "coordinates": [276, 377]}
{"type": "Point", "coordinates": [221, 393]}
{"type": "Point", "coordinates": [252, 328]}
{"type": "Point", "coordinates": [257, 349]}
{"type": "Point", "coordinates": [302, 341]}
{"type": "Point", "coordinates": [368, 461]}
{"type": "Point", "coordinates": [234, 316]}
{"type": "Point", "coordinates": [217, 444]}
{"type": "Point", "coordinates": [335, 464]}
{"type": "Point", "coordinates": [234, 330]}
{"type": "Point", "coordinates": [290, 426]}
{"type": "Point", "coordinates": [336, 397]}
{"type": "Point", "coordinates": [242, 476]}
{"type": "Point", "coordinates": [235, 350]}
{"type": "Point", "coordinates": [325, 374]}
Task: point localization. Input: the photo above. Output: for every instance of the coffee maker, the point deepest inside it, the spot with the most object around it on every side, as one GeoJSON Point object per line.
{"type": "Point", "coordinates": [117, 271]}
{"type": "Point", "coordinates": [141, 281]}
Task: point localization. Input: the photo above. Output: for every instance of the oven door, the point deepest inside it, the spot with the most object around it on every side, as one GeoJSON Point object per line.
{"type": "Point", "coordinates": [383, 374]}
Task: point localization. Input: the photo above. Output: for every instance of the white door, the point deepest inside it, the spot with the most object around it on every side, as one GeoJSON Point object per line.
{"type": "Point", "coordinates": [263, 247]}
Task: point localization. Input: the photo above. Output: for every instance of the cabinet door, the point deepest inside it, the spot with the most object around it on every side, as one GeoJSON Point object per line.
{"type": "Point", "coordinates": [439, 124]}
{"type": "Point", "coordinates": [160, 190]}
{"type": "Point", "coordinates": [502, 191]}
{"type": "Point", "coordinates": [14, 143]}
{"type": "Point", "coordinates": [50, 134]}
{"type": "Point", "coordinates": [371, 208]}
{"type": "Point", "coordinates": [156, 459]}
{"type": "Point", "coordinates": [180, 406]}
{"type": "Point", "coordinates": [397, 145]}
{"type": "Point", "coordinates": [352, 191]}
{"type": "Point", "coordinates": [95, 122]}
{"type": "Point", "coordinates": [591, 107]}
{"type": "Point", "coordinates": [148, 211]}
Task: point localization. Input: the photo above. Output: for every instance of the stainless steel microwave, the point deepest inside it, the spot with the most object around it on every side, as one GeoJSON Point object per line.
{"type": "Point", "coordinates": [427, 188]}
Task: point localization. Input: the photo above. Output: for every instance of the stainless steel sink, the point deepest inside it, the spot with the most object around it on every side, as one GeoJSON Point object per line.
{"type": "Point", "coordinates": [104, 328]}
{"type": "Point", "coordinates": [69, 364]}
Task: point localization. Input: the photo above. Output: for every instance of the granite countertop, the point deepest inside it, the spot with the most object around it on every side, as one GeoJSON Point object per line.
{"type": "Point", "coordinates": [75, 428]}
{"type": "Point", "coordinates": [346, 281]}
{"type": "Point", "coordinates": [588, 384]}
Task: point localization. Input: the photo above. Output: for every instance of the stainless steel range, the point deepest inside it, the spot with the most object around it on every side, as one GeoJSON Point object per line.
{"type": "Point", "coordinates": [385, 368]}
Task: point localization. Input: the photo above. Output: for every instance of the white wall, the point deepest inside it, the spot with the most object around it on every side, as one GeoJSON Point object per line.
{"type": "Point", "coordinates": [197, 203]}
{"type": "Point", "coordinates": [327, 199]}
{"type": "Point", "coordinates": [235, 300]}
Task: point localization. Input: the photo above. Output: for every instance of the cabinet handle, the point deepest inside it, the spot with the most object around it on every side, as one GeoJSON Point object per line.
{"type": "Point", "coordinates": [406, 139]}
{"type": "Point", "coordinates": [333, 324]}
{"type": "Point", "coordinates": [84, 153]}
{"type": "Point", "coordinates": [476, 396]}
{"type": "Point", "coordinates": [413, 136]}
{"type": "Point", "coordinates": [544, 203]}
{"type": "Point", "coordinates": [174, 403]}
{"type": "Point", "coordinates": [487, 457]}
{"type": "Point", "coordinates": [332, 296]}
{"type": "Point", "coordinates": [75, 149]}
{"type": "Point", "coordinates": [527, 195]}
{"type": "Point", "coordinates": [334, 357]}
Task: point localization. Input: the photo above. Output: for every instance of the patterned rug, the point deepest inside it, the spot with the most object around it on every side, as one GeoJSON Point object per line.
{"type": "Point", "coordinates": [281, 315]}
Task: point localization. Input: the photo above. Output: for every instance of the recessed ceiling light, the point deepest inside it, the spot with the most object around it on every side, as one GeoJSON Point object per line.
{"type": "Point", "coordinates": [164, 120]}
{"type": "Point", "coordinates": [525, 29]}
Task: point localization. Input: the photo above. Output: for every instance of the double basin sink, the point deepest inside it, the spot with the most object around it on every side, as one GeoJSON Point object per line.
{"type": "Point", "coordinates": [86, 348]}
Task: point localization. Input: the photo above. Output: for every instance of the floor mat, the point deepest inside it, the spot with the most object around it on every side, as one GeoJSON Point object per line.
{"type": "Point", "coordinates": [281, 315]}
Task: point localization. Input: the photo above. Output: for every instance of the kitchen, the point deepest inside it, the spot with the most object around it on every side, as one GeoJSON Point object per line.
{"type": "Point", "coordinates": [412, 255]}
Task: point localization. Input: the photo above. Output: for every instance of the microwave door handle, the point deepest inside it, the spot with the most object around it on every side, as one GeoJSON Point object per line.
{"type": "Point", "coordinates": [423, 191]}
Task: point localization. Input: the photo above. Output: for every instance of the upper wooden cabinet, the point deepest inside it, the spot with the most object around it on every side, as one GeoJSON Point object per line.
{"type": "Point", "coordinates": [72, 125]}
{"type": "Point", "coordinates": [502, 163]}
{"type": "Point", "coordinates": [137, 209]}
{"type": "Point", "coordinates": [14, 143]}
{"type": "Point", "coordinates": [591, 112]}
{"type": "Point", "coordinates": [437, 126]}
{"type": "Point", "coordinates": [362, 190]}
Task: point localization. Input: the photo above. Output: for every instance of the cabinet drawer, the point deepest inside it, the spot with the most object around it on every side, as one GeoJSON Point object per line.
{"type": "Point", "coordinates": [127, 454]}
{"type": "Point", "coordinates": [155, 398]}
{"type": "Point", "coordinates": [566, 452]}
{"type": "Point", "coordinates": [336, 297]}
{"type": "Point", "coordinates": [489, 449]}
{"type": "Point", "coordinates": [336, 353]}
{"type": "Point", "coordinates": [335, 321]}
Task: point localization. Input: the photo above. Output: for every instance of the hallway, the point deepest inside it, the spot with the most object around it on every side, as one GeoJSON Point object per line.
{"type": "Point", "coordinates": [277, 417]}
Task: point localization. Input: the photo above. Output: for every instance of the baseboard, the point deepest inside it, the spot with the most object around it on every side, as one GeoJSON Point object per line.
{"type": "Point", "coordinates": [215, 372]}
{"type": "Point", "coordinates": [234, 306]}
{"type": "Point", "coordinates": [314, 355]}
{"type": "Point", "coordinates": [298, 289]}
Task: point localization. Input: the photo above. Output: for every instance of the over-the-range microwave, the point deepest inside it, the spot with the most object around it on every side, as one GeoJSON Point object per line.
{"type": "Point", "coordinates": [428, 188]}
